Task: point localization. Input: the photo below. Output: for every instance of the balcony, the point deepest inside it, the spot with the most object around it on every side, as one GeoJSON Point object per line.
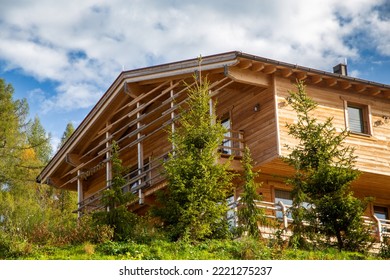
{"type": "Point", "coordinates": [141, 181]}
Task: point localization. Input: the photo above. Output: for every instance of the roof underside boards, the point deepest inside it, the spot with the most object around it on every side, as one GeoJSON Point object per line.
{"type": "Point", "coordinates": [120, 104]}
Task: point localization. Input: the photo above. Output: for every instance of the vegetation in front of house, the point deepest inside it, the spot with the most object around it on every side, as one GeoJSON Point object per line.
{"type": "Point", "coordinates": [194, 202]}
{"type": "Point", "coordinates": [161, 249]}
{"type": "Point", "coordinates": [324, 209]}
{"type": "Point", "coordinates": [249, 215]}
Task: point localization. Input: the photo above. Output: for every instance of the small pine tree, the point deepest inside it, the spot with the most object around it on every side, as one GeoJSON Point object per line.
{"type": "Point", "coordinates": [116, 215]}
{"type": "Point", "coordinates": [249, 215]}
{"type": "Point", "coordinates": [194, 202]}
{"type": "Point", "coordinates": [324, 171]}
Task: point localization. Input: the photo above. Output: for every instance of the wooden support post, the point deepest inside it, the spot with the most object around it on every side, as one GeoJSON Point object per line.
{"type": "Point", "coordinates": [80, 194]}
{"type": "Point", "coordinates": [108, 163]}
{"type": "Point", "coordinates": [172, 113]}
{"type": "Point", "coordinates": [211, 108]}
{"type": "Point", "coordinates": [140, 155]}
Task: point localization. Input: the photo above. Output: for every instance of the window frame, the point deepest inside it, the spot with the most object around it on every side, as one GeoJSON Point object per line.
{"type": "Point", "coordinates": [365, 120]}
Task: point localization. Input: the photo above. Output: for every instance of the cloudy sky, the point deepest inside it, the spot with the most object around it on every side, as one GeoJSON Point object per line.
{"type": "Point", "coordinates": [62, 55]}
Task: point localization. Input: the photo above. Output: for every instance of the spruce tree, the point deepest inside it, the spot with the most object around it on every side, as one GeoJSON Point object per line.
{"type": "Point", "coordinates": [115, 201]}
{"type": "Point", "coordinates": [193, 206]}
{"type": "Point", "coordinates": [249, 215]}
{"type": "Point", "coordinates": [324, 167]}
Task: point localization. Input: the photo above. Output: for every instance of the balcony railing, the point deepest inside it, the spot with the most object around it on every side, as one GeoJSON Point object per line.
{"type": "Point", "coordinates": [138, 180]}
{"type": "Point", "coordinates": [380, 228]}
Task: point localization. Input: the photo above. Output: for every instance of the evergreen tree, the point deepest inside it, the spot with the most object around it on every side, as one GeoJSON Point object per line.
{"type": "Point", "coordinates": [67, 133]}
{"type": "Point", "coordinates": [39, 141]}
{"type": "Point", "coordinates": [194, 202]}
{"type": "Point", "coordinates": [67, 200]}
{"type": "Point", "coordinates": [116, 215]}
{"type": "Point", "coordinates": [324, 169]}
{"type": "Point", "coordinates": [249, 215]}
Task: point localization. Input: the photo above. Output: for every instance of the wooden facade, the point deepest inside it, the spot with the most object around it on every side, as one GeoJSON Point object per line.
{"type": "Point", "coordinates": [250, 96]}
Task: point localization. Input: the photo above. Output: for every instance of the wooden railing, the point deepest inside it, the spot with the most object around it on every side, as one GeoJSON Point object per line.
{"type": "Point", "coordinates": [279, 211]}
{"type": "Point", "coordinates": [232, 144]}
{"type": "Point", "coordinates": [150, 174]}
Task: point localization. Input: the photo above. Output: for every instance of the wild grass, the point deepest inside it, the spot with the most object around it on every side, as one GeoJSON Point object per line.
{"type": "Point", "coordinates": [243, 249]}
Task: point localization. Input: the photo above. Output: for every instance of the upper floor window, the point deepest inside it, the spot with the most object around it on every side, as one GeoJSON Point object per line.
{"type": "Point", "coordinates": [358, 119]}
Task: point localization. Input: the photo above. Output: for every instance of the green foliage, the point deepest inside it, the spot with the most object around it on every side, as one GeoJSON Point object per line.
{"type": "Point", "coordinates": [324, 171]}
{"type": "Point", "coordinates": [29, 212]}
{"type": "Point", "coordinates": [194, 202]}
{"type": "Point", "coordinates": [116, 214]}
{"type": "Point", "coordinates": [385, 248]}
{"type": "Point", "coordinates": [240, 249]}
{"type": "Point", "coordinates": [12, 140]}
{"type": "Point", "coordinates": [39, 141]}
{"type": "Point", "coordinates": [67, 133]}
{"type": "Point", "coordinates": [249, 214]}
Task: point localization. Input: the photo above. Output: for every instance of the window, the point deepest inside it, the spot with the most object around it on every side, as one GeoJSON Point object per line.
{"type": "Point", "coordinates": [381, 212]}
{"type": "Point", "coordinates": [358, 118]}
{"type": "Point", "coordinates": [286, 198]}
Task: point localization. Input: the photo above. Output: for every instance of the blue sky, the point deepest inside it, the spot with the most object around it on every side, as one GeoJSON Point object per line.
{"type": "Point", "coordinates": [62, 55]}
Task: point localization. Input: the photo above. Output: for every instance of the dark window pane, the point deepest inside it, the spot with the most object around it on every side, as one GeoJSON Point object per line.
{"type": "Point", "coordinates": [355, 119]}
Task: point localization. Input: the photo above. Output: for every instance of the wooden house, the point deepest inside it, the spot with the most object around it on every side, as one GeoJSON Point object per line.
{"type": "Point", "coordinates": [250, 93]}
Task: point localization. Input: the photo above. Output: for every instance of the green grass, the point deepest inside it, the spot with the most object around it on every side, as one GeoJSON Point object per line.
{"type": "Point", "coordinates": [244, 249]}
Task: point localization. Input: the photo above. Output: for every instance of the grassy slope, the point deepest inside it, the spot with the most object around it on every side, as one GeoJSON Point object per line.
{"type": "Point", "coordinates": [162, 250]}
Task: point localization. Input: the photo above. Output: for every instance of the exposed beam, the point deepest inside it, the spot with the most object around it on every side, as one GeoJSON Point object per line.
{"type": "Point", "coordinates": [359, 88]}
{"type": "Point", "coordinates": [345, 84]}
{"type": "Point", "coordinates": [374, 91]}
{"type": "Point", "coordinates": [269, 69]}
{"type": "Point", "coordinates": [257, 67]}
{"type": "Point", "coordinates": [54, 181]}
{"type": "Point", "coordinates": [286, 72]}
{"type": "Point", "coordinates": [301, 76]}
{"type": "Point", "coordinates": [331, 82]}
{"type": "Point", "coordinates": [131, 91]}
{"type": "Point", "coordinates": [73, 159]}
{"type": "Point", "coordinates": [248, 77]}
{"type": "Point", "coordinates": [316, 79]}
{"type": "Point", "coordinates": [245, 64]}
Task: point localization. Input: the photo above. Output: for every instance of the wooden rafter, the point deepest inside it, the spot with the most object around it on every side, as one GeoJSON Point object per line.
{"type": "Point", "coordinates": [359, 88]}
{"type": "Point", "coordinates": [286, 72]}
{"type": "Point", "coordinates": [301, 76]}
{"type": "Point", "coordinates": [256, 67]}
{"type": "Point", "coordinates": [269, 69]}
{"type": "Point", "coordinates": [316, 79]}
{"type": "Point", "coordinates": [345, 84]}
{"type": "Point", "coordinates": [247, 76]}
{"type": "Point", "coordinates": [331, 82]}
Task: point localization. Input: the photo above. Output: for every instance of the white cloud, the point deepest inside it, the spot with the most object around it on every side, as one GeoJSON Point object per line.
{"type": "Point", "coordinates": [82, 45]}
